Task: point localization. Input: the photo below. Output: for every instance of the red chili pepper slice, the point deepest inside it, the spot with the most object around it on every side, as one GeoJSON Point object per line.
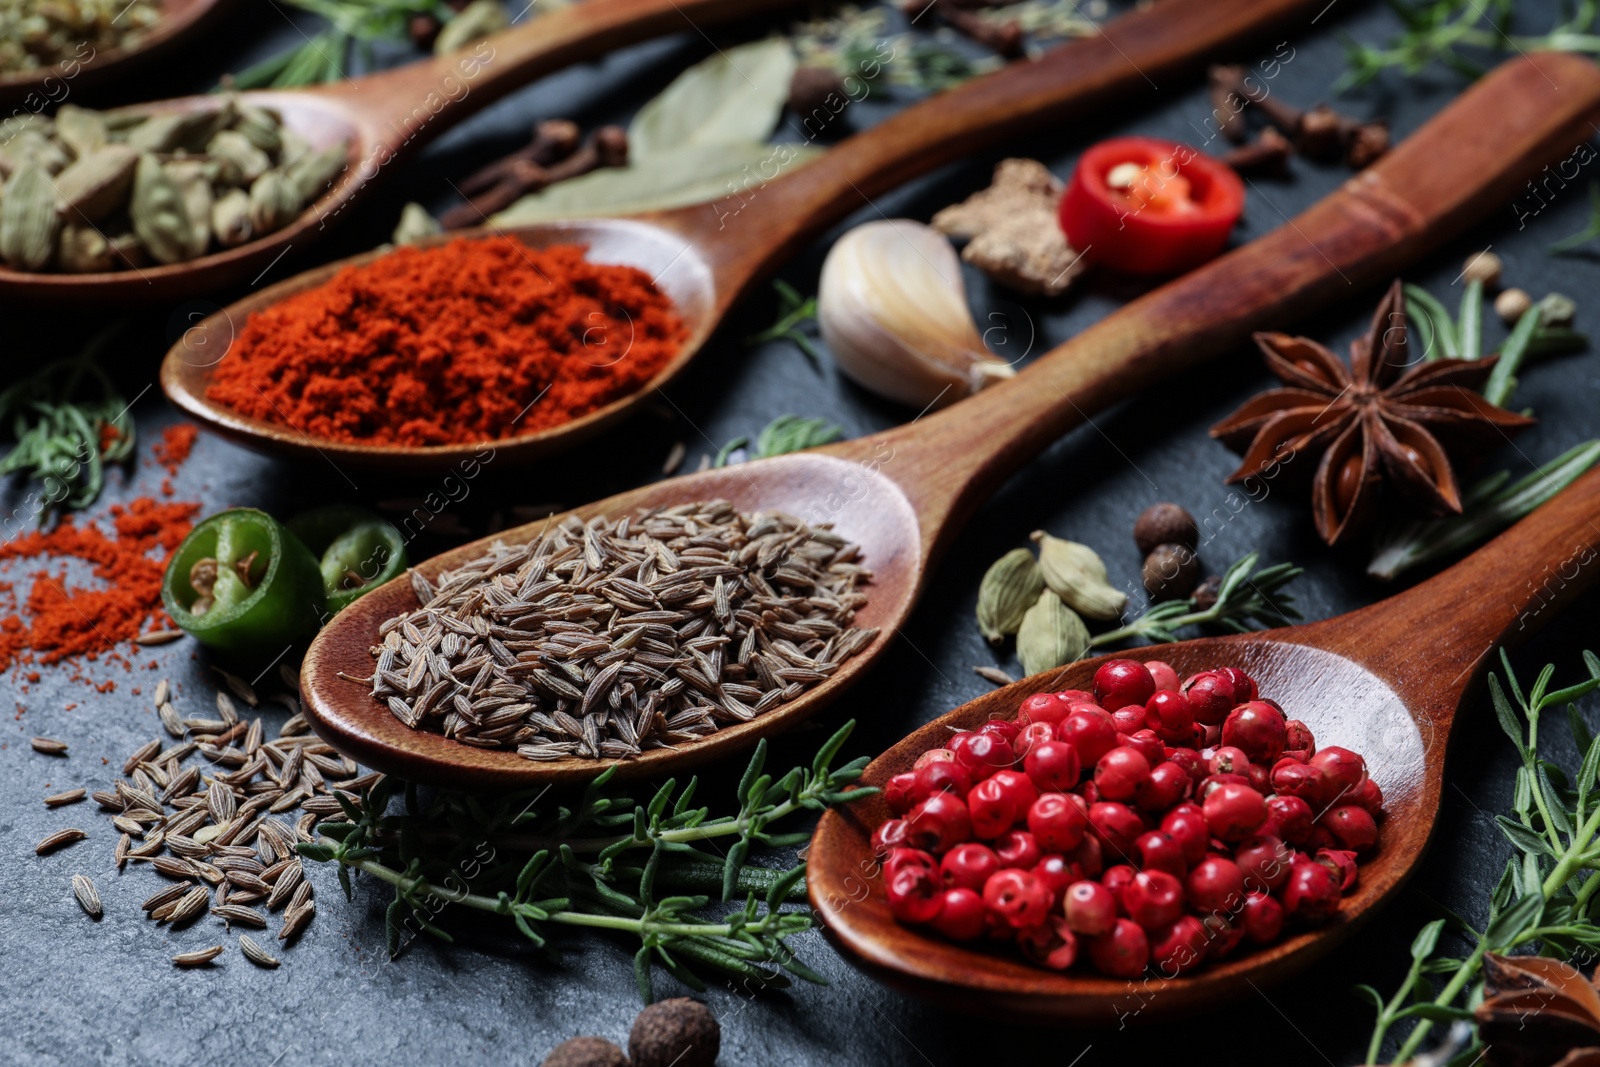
{"type": "Point", "coordinates": [1141, 205]}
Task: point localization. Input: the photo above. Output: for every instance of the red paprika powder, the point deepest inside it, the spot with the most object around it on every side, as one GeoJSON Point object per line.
{"type": "Point", "coordinates": [63, 619]}
{"type": "Point", "coordinates": [469, 341]}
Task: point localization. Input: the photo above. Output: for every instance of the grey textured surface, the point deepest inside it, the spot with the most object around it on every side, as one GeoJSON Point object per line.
{"type": "Point", "coordinates": [81, 992]}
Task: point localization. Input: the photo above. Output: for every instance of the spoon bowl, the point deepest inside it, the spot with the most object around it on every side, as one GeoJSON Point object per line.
{"type": "Point", "coordinates": [385, 117]}
{"type": "Point", "coordinates": [678, 266]}
{"type": "Point", "coordinates": [716, 252]}
{"type": "Point", "coordinates": [904, 493]}
{"type": "Point", "coordinates": [1343, 701]}
{"type": "Point", "coordinates": [36, 89]}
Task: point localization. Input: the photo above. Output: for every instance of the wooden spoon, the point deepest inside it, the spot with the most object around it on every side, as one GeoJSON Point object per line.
{"type": "Point", "coordinates": [708, 255]}
{"type": "Point", "coordinates": [902, 494]}
{"type": "Point", "coordinates": [385, 117]}
{"type": "Point", "coordinates": [1385, 681]}
{"type": "Point", "coordinates": [36, 90]}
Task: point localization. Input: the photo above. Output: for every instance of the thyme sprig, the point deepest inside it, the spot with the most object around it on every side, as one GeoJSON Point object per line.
{"type": "Point", "coordinates": [1466, 36]}
{"type": "Point", "coordinates": [1247, 600]}
{"type": "Point", "coordinates": [1545, 897]}
{"type": "Point", "coordinates": [69, 423]}
{"type": "Point", "coordinates": [602, 863]}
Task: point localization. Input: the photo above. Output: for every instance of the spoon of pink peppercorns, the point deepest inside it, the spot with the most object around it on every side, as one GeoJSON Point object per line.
{"type": "Point", "coordinates": [1283, 793]}
{"type": "Point", "coordinates": [1145, 824]}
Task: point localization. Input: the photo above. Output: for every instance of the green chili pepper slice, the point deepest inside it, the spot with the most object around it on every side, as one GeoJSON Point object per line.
{"type": "Point", "coordinates": [359, 551]}
{"type": "Point", "coordinates": [243, 584]}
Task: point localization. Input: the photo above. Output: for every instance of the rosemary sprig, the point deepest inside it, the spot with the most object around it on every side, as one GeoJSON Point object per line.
{"type": "Point", "coordinates": [1466, 36]}
{"type": "Point", "coordinates": [69, 422]}
{"type": "Point", "coordinates": [1589, 232]}
{"type": "Point", "coordinates": [600, 862]}
{"type": "Point", "coordinates": [325, 57]}
{"type": "Point", "coordinates": [1247, 600]}
{"type": "Point", "coordinates": [794, 313]}
{"type": "Point", "coordinates": [1546, 895]}
{"type": "Point", "coordinates": [1487, 508]}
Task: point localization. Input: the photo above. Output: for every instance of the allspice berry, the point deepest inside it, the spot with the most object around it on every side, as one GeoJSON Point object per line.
{"type": "Point", "coordinates": [675, 1033]}
{"type": "Point", "coordinates": [1205, 597]}
{"type": "Point", "coordinates": [1165, 524]}
{"type": "Point", "coordinates": [1511, 305]}
{"type": "Point", "coordinates": [586, 1052]}
{"type": "Point", "coordinates": [1171, 572]}
{"type": "Point", "coordinates": [1482, 267]}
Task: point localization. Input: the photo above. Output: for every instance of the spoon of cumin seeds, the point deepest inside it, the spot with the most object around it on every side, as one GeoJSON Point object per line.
{"type": "Point", "coordinates": [902, 494]}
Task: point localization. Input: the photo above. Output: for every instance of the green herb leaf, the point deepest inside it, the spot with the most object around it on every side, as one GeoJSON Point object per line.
{"type": "Point", "coordinates": [733, 97]}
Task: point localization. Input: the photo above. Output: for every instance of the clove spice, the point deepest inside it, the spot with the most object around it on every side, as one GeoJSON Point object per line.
{"type": "Point", "coordinates": [1004, 38]}
{"type": "Point", "coordinates": [1268, 154]}
{"type": "Point", "coordinates": [1319, 133]}
{"type": "Point", "coordinates": [605, 147]}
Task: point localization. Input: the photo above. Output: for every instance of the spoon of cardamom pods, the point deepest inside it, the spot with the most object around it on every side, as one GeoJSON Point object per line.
{"type": "Point", "coordinates": [899, 496]}
{"type": "Point", "coordinates": [82, 50]}
{"type": "Point", "coordinates": [184, 196]}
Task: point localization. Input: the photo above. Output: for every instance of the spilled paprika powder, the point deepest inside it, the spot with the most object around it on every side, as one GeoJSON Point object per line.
{"type": "Point", "coordinates": [474, 340]}
{"type": "Point", "coordinates": [61, 619]}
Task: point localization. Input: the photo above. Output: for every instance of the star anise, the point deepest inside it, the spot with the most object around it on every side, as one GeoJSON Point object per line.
{"type": "Point", "coordinates": [1381, 425]}
{"type": "Point", "coordinates": [1538, 1012]}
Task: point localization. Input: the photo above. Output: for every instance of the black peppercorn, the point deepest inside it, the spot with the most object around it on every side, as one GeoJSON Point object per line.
{"type": "Point", "coordinates": [585, 1052]}
{"type": "Point", "coordinates": [1165, 524]}
{"type": "Point", "coordinates": [1170, 572]}
{"type": "Point", "coordinates": [1205, 597]}
{"type": "Point", "coordinates": [675, 1033]}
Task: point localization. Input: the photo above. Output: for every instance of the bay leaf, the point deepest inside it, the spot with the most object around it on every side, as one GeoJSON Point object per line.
{"type": "Point", "coordinates": [733, 97]}
{"type": "Point", "coordinates": [690, 175]}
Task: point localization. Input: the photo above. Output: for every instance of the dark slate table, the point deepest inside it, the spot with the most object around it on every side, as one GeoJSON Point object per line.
{"type": "Point", "coordinates": [79, 992]}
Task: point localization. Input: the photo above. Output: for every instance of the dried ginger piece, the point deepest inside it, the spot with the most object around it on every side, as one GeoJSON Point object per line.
{"type": "Point", "coordinates": [1011, 230]}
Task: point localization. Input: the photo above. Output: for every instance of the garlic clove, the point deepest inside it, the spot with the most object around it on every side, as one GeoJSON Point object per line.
{"type": "Point", "coordinates": [892, 308]}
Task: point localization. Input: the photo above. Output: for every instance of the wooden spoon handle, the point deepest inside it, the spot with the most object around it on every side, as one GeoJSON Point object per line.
{"type": "Point", "coordinates": [1442, 178]}
{"type": "Point", "coordinates": [407, 105]}
{"type": "Point", "coordinates": [1449, 625]}
{"type": "Point", "coordinates": [1124, 64]}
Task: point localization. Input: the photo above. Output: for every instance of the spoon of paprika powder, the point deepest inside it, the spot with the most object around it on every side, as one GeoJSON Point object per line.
{"type": "Point", "coordinates": [903, 494]}
{"type": "Point", "coordinates": [706, 256]}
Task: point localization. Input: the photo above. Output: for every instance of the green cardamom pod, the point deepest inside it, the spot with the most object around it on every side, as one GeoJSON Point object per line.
{"type": "Point", "coordinates": [159, 213]}
{"type": "Point", "coordinates": [242, 162]}
{"type": "Point", "coordinates": [310, 175]}
{"type": "Point", "coordinates": [83, 250]}
{"type": "Point", "coordinates": [415, 224]}
{"type": "Point", "coordinates": [261, 127]}
{"type": "Point", "coordinates": [28, 219]}
{"type": "Point", "coordinates": [193, 177]}
{"type": "Point", "coordinates": [80, 129]}
{"type": "Point", "coordinates": [1051, 635]}
{"type": "Point", "coordinates": [1009, 588]}
{"type": "Point", "coordinates": [292, 148]}
{"type": "Point", "coordinates": [97, 184]}
{"type": "Point", "coordinates": [273, 203]}
{"type": "Point", "coordinates": [478, 19]}
{"type": "Point", "coordinates": [32, 146]}
{"type": "Point", "coordinates": [1077, 575]}
{"type": "Point", "coordinates": [230, 218]}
